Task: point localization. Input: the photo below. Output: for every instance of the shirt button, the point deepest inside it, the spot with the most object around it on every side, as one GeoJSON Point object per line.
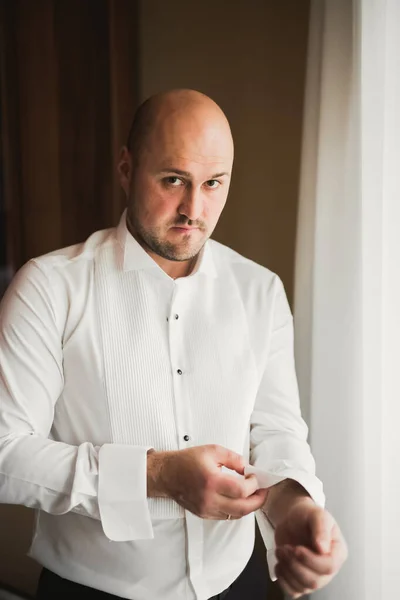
{"type": "Point", "coordinates": [179, 372]}
{"type": "Point", "coordinates": [176, 316]}
{"type": "Point", "coordinates": [186, 438]}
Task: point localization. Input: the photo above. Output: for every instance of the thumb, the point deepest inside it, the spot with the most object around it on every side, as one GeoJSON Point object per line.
{"type": "Point", "coordinates": [321, 530]}
{"type": "Point", "coordinates": [230, 460]}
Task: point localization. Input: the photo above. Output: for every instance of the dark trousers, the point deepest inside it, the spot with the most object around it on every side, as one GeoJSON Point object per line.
{"type": "Point", "coordinates": [52, 587]}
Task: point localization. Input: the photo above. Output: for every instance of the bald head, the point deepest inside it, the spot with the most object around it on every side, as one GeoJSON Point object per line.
{"type": "Point", "coordinates": [176, 172]}
{"type": "Point", "coordinates": [185, 111]}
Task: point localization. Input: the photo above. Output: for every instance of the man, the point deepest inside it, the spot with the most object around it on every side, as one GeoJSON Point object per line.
{"type": "Point", "coordinates": [149, 403]}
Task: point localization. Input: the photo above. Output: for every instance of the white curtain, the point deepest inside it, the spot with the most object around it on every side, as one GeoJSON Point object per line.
{"type": "Point", "coordinates": [347, 288]}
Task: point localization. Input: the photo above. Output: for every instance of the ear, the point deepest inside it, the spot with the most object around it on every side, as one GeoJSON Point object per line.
{"type": "Point", "coordinates": [125, 169]}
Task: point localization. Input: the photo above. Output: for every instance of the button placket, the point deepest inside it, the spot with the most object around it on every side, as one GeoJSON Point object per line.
{"type": "Point", "coordinates": [176, 340]}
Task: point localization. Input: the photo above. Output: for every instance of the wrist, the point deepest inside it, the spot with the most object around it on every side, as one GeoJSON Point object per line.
{"type": "Point", "coordinates": [156, 476]}
{"type": "Point", "coordinates": [282, 498]}
{"type": "Point", "coordinates": [154, 464]}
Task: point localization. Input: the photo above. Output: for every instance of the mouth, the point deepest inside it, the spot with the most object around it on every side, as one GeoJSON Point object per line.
{"type": "Point", "coordinates": [185, 229]}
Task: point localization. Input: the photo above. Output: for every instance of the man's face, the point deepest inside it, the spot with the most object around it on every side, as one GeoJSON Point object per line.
{"type": "Point", "coordinates": [179, 186]}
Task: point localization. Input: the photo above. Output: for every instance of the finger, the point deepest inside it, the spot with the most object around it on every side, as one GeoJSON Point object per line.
{"type": "Point", "coordinates": [321, 564]}
{"type": "Point", "coordinates": [235, 487]}
{"type": "Point", "coordinates": [260, 494]}
{"type": "Point", "coordinates": [230, 459]}
{"type": "Point", "coordinates": [251, 503]}
{"type": "Point", "coordinates": [339, 547]}
{"type": "Point", "coordinates": [285, 584]}
{"type": "Point", "coordinates": [224, 517]}
{"type": "Point", "coordinates": [290, 577]}
{"type": "Point", "coordinates": [242, 507]}
{"type": "Point", "coordinates": [306, 578]}
{"type": "Point", "coordinates": [321, 525]}
{"type": "Point", "coordinates": [250, 485]}
{"type": "Point", "coordinates": [287, 588]}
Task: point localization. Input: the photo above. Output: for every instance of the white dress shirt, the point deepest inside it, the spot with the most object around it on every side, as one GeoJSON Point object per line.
{"type": "Point", "coordinates": [104, 356]}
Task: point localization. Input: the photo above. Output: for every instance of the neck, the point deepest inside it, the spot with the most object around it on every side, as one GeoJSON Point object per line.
{"type": "Point", "coordinates": [174, 269]}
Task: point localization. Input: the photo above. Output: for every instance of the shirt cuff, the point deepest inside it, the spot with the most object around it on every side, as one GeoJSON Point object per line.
{"type": "Point", "coordinates": [266, 479]}
{"type": "Point", "coordinates": [122, 493]}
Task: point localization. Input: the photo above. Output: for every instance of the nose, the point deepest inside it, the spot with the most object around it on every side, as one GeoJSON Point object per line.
{"type": "Point", "coordinates": [192, 204]}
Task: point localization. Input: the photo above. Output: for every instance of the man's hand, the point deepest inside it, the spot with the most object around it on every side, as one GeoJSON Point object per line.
{"type": "Point", "coordinates": [310, 548]}
{"type": "Point", "coordinates": [193, 478]}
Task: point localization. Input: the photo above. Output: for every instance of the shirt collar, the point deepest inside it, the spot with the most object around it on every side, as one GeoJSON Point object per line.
{"type": "Point", "coordinates": [135, 258]}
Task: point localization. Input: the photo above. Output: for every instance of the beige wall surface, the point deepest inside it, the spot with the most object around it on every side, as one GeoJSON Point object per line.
{"type": "Point", "coordinates": [250, 58]}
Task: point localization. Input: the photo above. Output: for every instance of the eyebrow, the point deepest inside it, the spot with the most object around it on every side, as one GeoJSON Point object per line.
{"type": "Point", "coordinates": [189, 175]}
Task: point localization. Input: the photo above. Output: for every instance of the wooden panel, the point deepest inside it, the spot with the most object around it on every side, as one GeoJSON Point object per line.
{"type": "Point", "coordinates": [84, 121]}
{"type": "Point", "coordinates": [38, 123]}
{"type": "Point", "coordinates": [10, 136]}
{"type": "Point", "coordinates": [124, 57]}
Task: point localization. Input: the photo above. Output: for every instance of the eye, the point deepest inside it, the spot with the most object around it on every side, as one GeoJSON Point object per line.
{"type": "Point", "coordinates": [213, 184]}
{"type": "Point", "coordinates": [173, 181]}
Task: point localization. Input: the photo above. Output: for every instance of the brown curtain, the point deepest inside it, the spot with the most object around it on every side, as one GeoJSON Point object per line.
{"type": "Point", "coordinates": [69, 72]}
{"type": "Point", "coordinates": [68, 89]}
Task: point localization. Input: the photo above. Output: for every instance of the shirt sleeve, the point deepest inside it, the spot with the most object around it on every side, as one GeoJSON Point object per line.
{"type": "Point", "coordinates": [106, 482]}
{"type": "Point", "coordinates": [278, 434]}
